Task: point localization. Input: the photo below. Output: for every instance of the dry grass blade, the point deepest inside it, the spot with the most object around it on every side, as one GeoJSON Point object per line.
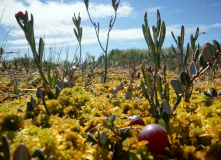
{"type": "Point", "coordinates": [3, 13]}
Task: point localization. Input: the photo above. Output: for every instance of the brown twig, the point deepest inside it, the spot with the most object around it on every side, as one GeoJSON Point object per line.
{"type": "Point", "coordinates": [13, 97]}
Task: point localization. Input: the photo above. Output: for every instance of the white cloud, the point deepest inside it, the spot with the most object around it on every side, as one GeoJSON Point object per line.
{"type": "Point", "coordinates": [121, 35]}
{"type": "Point", "coordinates": [153, 9]}
{"type": "Point", "coordinates": [53, 20]}
{"type": "Point", "coordinates": [57, 13]}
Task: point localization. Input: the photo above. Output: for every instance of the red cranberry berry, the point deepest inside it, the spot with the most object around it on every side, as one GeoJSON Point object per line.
{"type": "Point", "coordinates": [136, 120]}
{"type": "Point", "coordinates": [156, 136]}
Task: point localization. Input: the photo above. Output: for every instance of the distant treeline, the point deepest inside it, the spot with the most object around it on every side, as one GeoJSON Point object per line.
{"type": "Point", "coordinates": [134, 56]}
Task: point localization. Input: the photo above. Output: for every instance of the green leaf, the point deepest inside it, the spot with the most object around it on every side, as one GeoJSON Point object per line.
{"type": "Point", "coordinates": [196, 34]}
{"type": "Point", "coordinates": [49, 75]}
{"type": "Point", "coordinates": [188, 92]}
{"type": "Point", "coordinates": [112, 118]}
{"type": "Point", "coordinates": [165, 105]}
{"type": "Point", "coordinates": [38, 154]}
{"type": "Point", "coordinates": [107, 123]}
{"type": "Point", "coordinates": [146, 77]}
{"type": "Point", "coordinates": [4, 148]}
{"type": "Point", "coordinates": [158, 22]}
{"type": "Point", "coordinates": [217, 45]}
{"type": "Point", "coordinates": [103, 139]}
{"type": "Point", "coordinates": [158, 61]}
{"type": "Point", "coordinates": [162, 35]}
{"type": "Point", "coordinates": [144, 90]}
{"type": "Point", "coordinates": [145, 19]}
{"type": "Point", "coordinates": [33, 102]}
{"type": "Point", "coordinates": [16, 87]}
{"type": "Point", "coordinates": [192, 42]}
{"type": "Point", "coordinates": [156, 101]}
{"type": "Point", "coordinates": [80, 34]}
{"type": "Point", "coordinates": [150, 44]}
{"type": "Point", "coordinates": [180, 47]}
{"type": "Point", "coordinates": [184, 78]}
{"type": "Point", "coordinates": [182, 38]}
{"type": "Point", "coordinates": [177, 86]}
{"type": "Point", "coordinates": [86, 2]}
{"type": "Point", "coordinates": [154, 29]}
{"type": "Point", "coordinates": [165, 117]}
{"type": "Point", "coordinates": [92, 138]}
{"type": "Point", "coordinates": [178, 100]}
{"type": "Point", "coordinates": [21, 153]}
{"type": "Point", "coordinates": [60, 83]}
{"type": "Point", "coordinates": [187, 54]}
{"type": "Point", "coordinates": [39, 92]}
{"type": "Point", "coordinates": [31, 34]}
{"type": "Point", "coordinates": [159, 85]}
{"type": "Point", "coordinates": [117, 4]}
{"type": "Point", "coordinates": [57, 90]}
{"type": "Point", "coordinates": [202, 62]}
{"type": "Point", "coordinates": [20, 23]}
{"type": "Point", "coordinates": [54, 80]}
{"type": "Point", "coordinates": [174, 37]}
{"type": "Point", "coordinates": [166, 92]}
{"type": "Point", "coordinates": [205, 69]}
{"type": "Point", "coordinates": [76, 34]}
{"type": "Point", "coordinates": [208, 52]}
{"type": "Point", "coordinates": [40, 50]}
{"type": "Point", "coordinates": [128, 94]}
{"type": "Point", "coordinates": [162, 123]}
{"type": "Point", "coordinates": [196, 55]}
{"type": "Point", "coordinates": [29, 107]}
{"type": "Point", "coordinates": [193, 69]}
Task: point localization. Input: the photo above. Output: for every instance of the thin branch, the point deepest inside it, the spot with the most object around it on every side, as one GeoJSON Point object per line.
{"type": "Point", "coordinates": [3, 13]}
{"type": "Point", "coordinates": [13, 97]}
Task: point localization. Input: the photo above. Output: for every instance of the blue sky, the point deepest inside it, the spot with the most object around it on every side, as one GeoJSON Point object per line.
{"type": "Point", "coordinates": [53, 20]}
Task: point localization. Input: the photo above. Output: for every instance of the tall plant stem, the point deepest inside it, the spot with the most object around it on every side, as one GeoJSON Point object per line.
{"type": "Point", "coordinates": [96, 28]}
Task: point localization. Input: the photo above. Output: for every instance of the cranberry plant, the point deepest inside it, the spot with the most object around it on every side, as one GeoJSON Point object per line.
{"type": "Point", "coordinates": [51, 82]}
{"type": "Point", "coordinates": [153, 84]}
{"type": "Point", "coordinates": [78, 33]}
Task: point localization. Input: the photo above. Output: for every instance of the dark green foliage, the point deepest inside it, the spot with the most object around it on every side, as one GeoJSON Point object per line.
{"type": "Point", "coordinates": [92, 138]}
{"type": "Point", "coordinates": [52, 80]}
{"type": "Point", "coordinates": [216, 45]}
{"type": "Point", "coordinates": [208, 53]}
{"type": "Point", "coordinates": [39, 92]}
{"type": "Point", "coordinates": [38, 153]}
{"type": "Point", "coordinates": [193, 69]}
{"type": "Point", "coordinates": [4, 148]}
{"type": "Point", "coordinates": [184, 78]}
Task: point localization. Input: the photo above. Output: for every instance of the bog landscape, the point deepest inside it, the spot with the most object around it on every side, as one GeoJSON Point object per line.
{"type": "Point", "coordinates": [128, 105]}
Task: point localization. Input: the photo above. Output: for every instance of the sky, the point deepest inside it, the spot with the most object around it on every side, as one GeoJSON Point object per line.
{"type": "Point", "coordinates": [53, 22]}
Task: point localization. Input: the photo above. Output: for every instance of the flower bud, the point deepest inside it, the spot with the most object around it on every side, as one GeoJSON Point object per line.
{"type": "Point", "coordinates": [20, 15]}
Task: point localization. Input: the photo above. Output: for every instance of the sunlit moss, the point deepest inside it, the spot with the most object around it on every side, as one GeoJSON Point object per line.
{"type": "Point", "coordinates": [55, 107]}
{"type": "Point", "coordinates": [194, 131]}
{"type": "Point", "coordinates": [41, 120]}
